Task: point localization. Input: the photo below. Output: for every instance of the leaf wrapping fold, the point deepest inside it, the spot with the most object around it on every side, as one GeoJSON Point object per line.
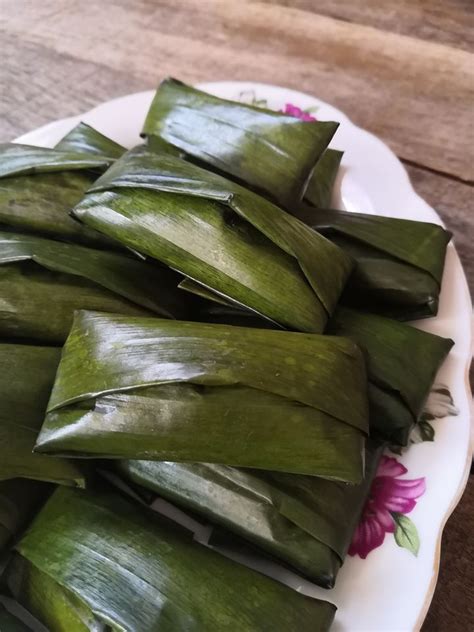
{"type": "Point", "coordinates": [26, 377]}
{"type": "Point", "coordinates": [134, 573]}
{"type": "Point", "coordinates": [149, 388]}
{"type": "Point", "coordinates": [399, 263]}
{"type": "Point", "coordinates": [303, 521]}
{"type": "Point", "coordinates": [270, 151]}
{"type": "Point", "coordinates": [402, 363]}
{"type": "Point", "coordinates": [39, 186]}
{"type": "Point", "coordinates": [85, 139]}
{"type": "Point", "coordinates": [321, 184]}
{"type": "Point", "coordinates": [36, 273]}
{"type": "Point", "coordinates": [219, 234]}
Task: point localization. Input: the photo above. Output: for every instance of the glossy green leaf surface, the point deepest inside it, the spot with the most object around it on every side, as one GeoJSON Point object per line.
{"type": "Point", "coordinates": [85, 139]}
{"type": "Point", "coordinates": [399, 262]}
{"type": "Point", "coordinates": [221, 235]}
{"type": "Point", "coordinates": [303, 521]}
{"type": "Point", "coordinates": [402, 363]}
{"type": "Point", "coordinates": [270, 151]}
{"type": "Point", "coordinates": [49, 602]}
{"type": "Point", "coordinates": [321, 184]}
{"type": "Point", "coordinates": [148, 388]}
{"type": "Point", "coordinates": [36, 273]}
{"type": "Point", "coordinates": [19, 499]}
{"type": "Point", "coordinates": [39, 186]}
{"type": "Point", "coordinates": [16, 159]}
{"type": "Point", "coordinates": [26, 378]}
{"type": "Point", "coordinates": [135, 573]}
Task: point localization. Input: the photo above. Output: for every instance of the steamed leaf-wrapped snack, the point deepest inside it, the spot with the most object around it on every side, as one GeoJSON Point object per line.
{"type": "Point", "coordinates": [39, 186]}
{"type": "Point", "coordinates": [26, 378]}
{"type": "Point", "coordinates": [321, 184]}
{"type": "Point", "coordinates": [132, 571]}
{"type": "Point", "coordinates": [85, 139]}
{"type": "Point", "coordinates": [42, 283]}
{"type": "Point", "coordinates": [402, 363]}
{"type": "Point", "coordinates": [19, 499]}
{"type": "Point", "coordinates": [399, 262]}
{"type": "Point", "coordinates": [269, 151]}
{"type": "Point", "coordinates": [221, 235]}
{"type": "Point", "coordinates": [145, 388]}
{"type": "Point", "coordinates": [304, 521]}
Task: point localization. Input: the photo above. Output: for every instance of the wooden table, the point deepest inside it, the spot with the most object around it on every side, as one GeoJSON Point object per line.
{"type": "Point", "coordinates": [403, 69]}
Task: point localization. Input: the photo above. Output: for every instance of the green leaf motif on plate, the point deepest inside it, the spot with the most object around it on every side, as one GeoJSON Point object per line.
{"type": "Point", "coordinates": [406, 533]}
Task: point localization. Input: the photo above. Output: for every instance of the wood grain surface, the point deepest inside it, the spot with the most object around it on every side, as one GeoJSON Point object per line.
{"type": "Point", "coordinates": [403, 69]}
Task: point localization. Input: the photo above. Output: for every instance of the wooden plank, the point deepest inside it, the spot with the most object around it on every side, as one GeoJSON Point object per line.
{"type": "Point", "coordinates": [452, 608]}
{"type": "Point", "coordinates": [59, 86]}
{"type": "Point", "coordinates": [453, 200]}
{"type": "Point", "coordinates": [414, 94]}
{"type": "Point", "coordinates": [444, 21]}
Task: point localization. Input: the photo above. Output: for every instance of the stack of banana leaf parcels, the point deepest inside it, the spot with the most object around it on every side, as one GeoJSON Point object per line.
{"type": "Point", "coordinates": [190, 320]}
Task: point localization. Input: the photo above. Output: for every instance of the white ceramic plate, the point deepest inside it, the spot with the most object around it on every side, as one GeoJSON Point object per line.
{"type": "Point", "coordinates": [392, 588]}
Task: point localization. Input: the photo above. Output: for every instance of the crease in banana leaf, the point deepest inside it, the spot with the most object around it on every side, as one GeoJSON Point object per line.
{"type": "Point", "coordinates": [399, 262]}
{"type": "Point", "coordinates": [167, 390]}
{"type": "Point", "coordinates": [42, 283]}
{"type": "Point", "coordinates": [402, 363]}
{"type": "Point", "coordinates": [26, 378]}
{"type": "Point", "coordinates": [19, 500]}
{"type": "Point", "coordinates": [270, 151]}
{"type": "Point", "coordinates": [221, 235]}
{"type": "Point", "coordinates": [133, 572]}
{"type": "Point", "coordinates": [85, 139]}
{"type": "Point", "coordinates": [321, 184]}
{"type": "Point", "coordinates": [39, 186]}
{"type": "Point", "coordinates": [305, 522]}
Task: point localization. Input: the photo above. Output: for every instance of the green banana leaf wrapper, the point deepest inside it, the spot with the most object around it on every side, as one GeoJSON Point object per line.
{"type": "Point", "coordinates": [19, 500]}
{"type": "Point", "coordinates": [42, 283]}
{"type": "Point", "coordinates": [26, 378]}
{"type": "Point", "coordinates": [402, 363]}
{"type": "Point", "coordinates": [133, 572]}
{"type": "Point", "coordinates": [85, 139]}
{"type": "Point", "coordinates": [221, 235]}
{"type": "Point", "coordinates": [269, 151]}
{"type": "Point", "coordinates": [145, 388]}
{"type": "Point", "coordinates": [321, 184]}
{"type": "Point", "coordinates": [305, 522]}
{"type": "Point", "coordinates": [399, 262]}
{"type": "Point", "coordinates": [39, 186]}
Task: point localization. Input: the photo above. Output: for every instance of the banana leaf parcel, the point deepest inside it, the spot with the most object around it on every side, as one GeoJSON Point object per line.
{"type": "Point", "coordinates": [26, 378]}
{"type": "Point", "coordinates": [321, 184]}
{"type": "Point", "coordinates": [85, 139]}
{"type": "Point", "coordinates": [19, 500]}
{"type": "Point", "coordinates": [145, 388]}
{"type": "Point", "coordinates": [399, 262]}
{"type": "Point", "coordinates": [269, 151]}
{"type": "Point", "coordinates": [402, 363]}
{"type": "Point", "coordinates": [305, 522]}
{"type": "Point", "coordinates": [221, 235]}
{"type": "Point", "coordinates": [42, 283]}
{"type": "Point", "coordinates": [131, 571]}
{"type": "Point", "coordinates": [39, 186]}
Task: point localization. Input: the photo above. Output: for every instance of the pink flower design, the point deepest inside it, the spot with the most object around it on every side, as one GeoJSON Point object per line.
{"type": "Point", "coordinates": [294, 110]}
{"type": "Point", "coordinates": [389, 496]}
